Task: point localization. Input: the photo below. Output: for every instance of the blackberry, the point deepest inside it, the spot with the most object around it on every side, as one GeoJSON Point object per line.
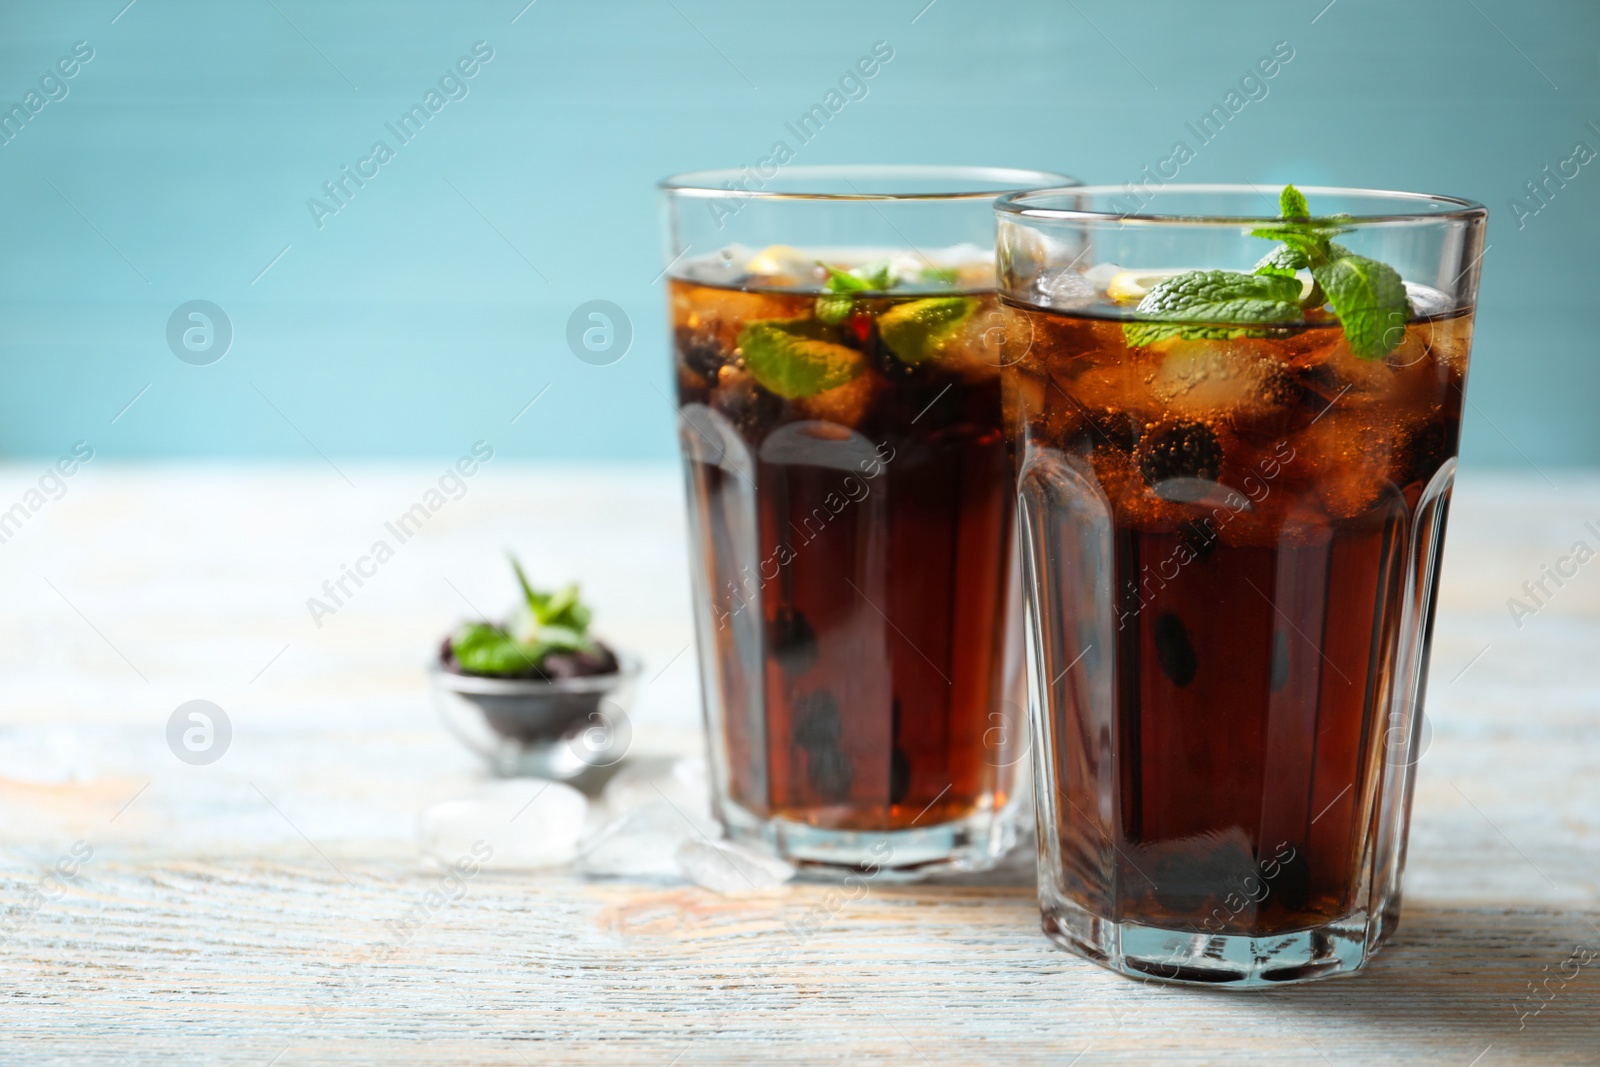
{"type": "Point", "coordinates": [1291, 887]}
{"type": "Point", "coordinates": [830, 774]}
{"type": "Point", "coordinates": [899, 775]}
{"type": "Point", "coordinates": [1180, 450]}
{"type": "Point", "coordinates": [1199, 878]}
{"type": "Point", "coordinates": [1174, 650]}
{"type": "Point", "coordinates": [792, 641]}
{"type": "Point", "coordinates": [699, 352]}
{"type": "Point", "coordinates": [816, 719]}
{"type": "Point", "coordinates": [749, 407]}
{"type": "Point", "coordinates": [1111, 428]}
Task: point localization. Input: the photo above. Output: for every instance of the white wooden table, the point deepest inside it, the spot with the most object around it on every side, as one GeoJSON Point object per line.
{"type": "Point", "coordinates": [240, 912]}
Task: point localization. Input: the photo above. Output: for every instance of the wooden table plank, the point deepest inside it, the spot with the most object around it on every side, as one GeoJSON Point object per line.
{"type": "Point", "coordinates": [245, 910]}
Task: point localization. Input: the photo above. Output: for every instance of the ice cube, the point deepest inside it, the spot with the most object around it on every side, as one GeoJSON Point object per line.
{"type": "Point", "coordinates": [524, 824]}
{"type": "Point", "coordinates": [1427, 302]}
{"type": "Point", "coordinates": [641, 843]}
{"type": "Point", "coordinates": [1241, 379]}
{"type": "Point", "coordinates": [681, 783]}
{"type": "Point", "coordinates": [844, 405]}
{"type": "Point", "coordinates": [1100, 274]}
{"type": "Point", "coordinates": [1065, 288]}
{"type": "Point", "coordinates": [730, 868]}
{"type": "Point", "coordinates": [1351, 453]}
{"type": "Point", "coordinates": [780, 264]}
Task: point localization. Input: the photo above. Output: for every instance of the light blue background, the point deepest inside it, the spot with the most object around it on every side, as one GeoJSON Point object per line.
{"type": "Point", "coordinates": [411, 326]}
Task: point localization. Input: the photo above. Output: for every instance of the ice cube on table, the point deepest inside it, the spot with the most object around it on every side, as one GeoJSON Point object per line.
{"type": "Point", "coordinates": [525, 824]}
{"type": "Point", "coordinates": [681, 782]}
{"type": "Point", "coordinates": [729, 868]}
{"type": "Point", "coordinates": [640, 843]}
{"type": "Point", "coordinates": [653, 805]}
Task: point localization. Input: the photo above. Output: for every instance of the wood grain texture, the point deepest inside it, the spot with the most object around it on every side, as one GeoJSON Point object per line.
{"type": "Point", "coordinates": [255, 911]}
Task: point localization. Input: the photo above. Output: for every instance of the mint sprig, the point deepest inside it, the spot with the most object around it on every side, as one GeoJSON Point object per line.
{"type": "Point", "coordinates": [1369, 297]}
{"type": "Point", "coordinates": [545, 623]}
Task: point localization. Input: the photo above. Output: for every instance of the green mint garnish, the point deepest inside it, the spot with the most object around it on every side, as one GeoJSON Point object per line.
{"type": "Point", "coordinates": [1292, 204]}
{"type": "Point", "coordinates": [1214, 297]}
{"type": "Point", "coordinates": [1369, 297]}
{"type": "Point", "coordinates": [834, 306]}
{"type": "Point", "coordinates": [561, 610]}
{"type": "Point", "coordinates": [482, 648]}
{"type": "Point", "coordinates": [914, 330]}
{"type": "Point", "coordinates": [941, 275]}
{"type": "Point", "coordinates": [1282, 261]}
{"type": "Point", "coordinates": [1370, 300]}
{"type": "Point", "coordinates": [797, 358]}
{"type": "Point", "coordinates": [546, 623]}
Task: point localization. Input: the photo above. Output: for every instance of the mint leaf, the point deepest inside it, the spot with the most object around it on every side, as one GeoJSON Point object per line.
{"type": "Point", "coordinates": [564, 610]}
{"type": "Point", "coordinates": [1283, 261]}
{"type": "Point", "coordinates": [834, 306]}
{"type": "Point", "coordinates": [1223, 300]}
{"type": "Point", "coordinates": [914, 330]}
{"type": "Point", "coordinates": [535, 601]}
{"type": "Point", "coordinates": [484, 649]}
{"type": "Point", "coordinates": [1370, 299]}
{"type": "Point", "coordinates": [941, 275]}
{"type": "Point", "coordinates": [797, 358]}
{"type": "Point", "coordinates": [1292, 204]}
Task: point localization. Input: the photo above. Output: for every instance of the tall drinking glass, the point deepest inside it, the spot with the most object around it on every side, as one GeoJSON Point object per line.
{"type": "Point", "coordinates": [1235, 437]}
{"type": "Point", "coordinates": [835, 334]}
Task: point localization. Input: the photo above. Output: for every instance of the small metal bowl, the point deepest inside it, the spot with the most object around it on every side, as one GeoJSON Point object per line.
{"type": "Point", "coordinates": [547, 729]}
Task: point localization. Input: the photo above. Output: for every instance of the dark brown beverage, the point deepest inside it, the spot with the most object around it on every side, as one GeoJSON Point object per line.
{"type": "Point", "coordinates": [1237, 515]}
{"type": "Point", "coordinates": [854, 534]}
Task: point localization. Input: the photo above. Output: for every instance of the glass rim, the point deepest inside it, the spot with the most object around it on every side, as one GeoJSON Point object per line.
{"type": "Point", "coordinates": [998, 181]}
{"type": "Point", "coordinates": [1015, 204]}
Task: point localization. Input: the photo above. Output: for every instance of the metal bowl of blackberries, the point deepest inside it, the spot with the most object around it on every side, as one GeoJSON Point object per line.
{"type": "Point", "coordinates": [536, 694]}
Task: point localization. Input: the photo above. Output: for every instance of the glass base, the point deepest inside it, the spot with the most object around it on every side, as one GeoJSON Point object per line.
{"type": "Point", "coordinates": [1184, 957]}
{"type": "Point", "coordinates": [975, 843]}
